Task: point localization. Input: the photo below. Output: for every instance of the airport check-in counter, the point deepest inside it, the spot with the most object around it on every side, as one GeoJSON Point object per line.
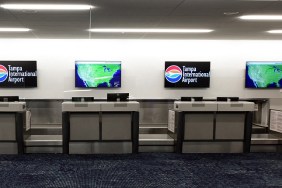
{"type": "Point", "coordinates": [100, 127]}
{"type": "Point", "coordinates": [12, 123]}
{"type": "Point", "coordinates": [213, 127]}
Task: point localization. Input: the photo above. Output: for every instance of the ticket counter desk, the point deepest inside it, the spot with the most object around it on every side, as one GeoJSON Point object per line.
{"type": "Point", "coordinates": [12, 123]}
{"type": "Point", "coordinates": [100, 127]}
{"type": "Point", "coordinates": [213, 127]}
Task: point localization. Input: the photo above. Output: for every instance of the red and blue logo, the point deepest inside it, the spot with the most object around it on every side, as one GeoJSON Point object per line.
{"type": "Point", "coordinates": [3, 73]}
{"type": "Point", "coordinates": [173, 74]}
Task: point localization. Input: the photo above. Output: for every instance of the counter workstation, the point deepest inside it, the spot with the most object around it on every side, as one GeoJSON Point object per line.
{"type": "Point", "coordinates": [100, 127]}
{"type": "Point", "coordinates": [12, 123]}
{"type": "Point", "coordinates": [213, 127]}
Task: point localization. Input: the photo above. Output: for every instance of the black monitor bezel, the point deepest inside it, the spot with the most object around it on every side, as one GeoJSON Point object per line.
{"type": "Point", "coordinates": [186, 99]}
{"type": "Point", "coordinates": [113, 97]}
{"type": "Point", "coordinates": [9, 98]}
{"type": "Point", "coordinates": [82, 99]}
{"type": "Point", "coordinates": [225, 99]}
{"type": "Point", "coordinates": [191, 99]}
{"type": "Point", "coordinates": [233, 98]}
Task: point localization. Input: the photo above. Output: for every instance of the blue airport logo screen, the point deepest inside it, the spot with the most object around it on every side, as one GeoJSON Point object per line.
{"type": "Point", "coordinates": [18, 74]}
{"type": "Point", "coordinates": [187, 74]}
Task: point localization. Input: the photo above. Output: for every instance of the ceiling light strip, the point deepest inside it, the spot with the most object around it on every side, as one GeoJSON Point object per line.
{"type": "Point", "coordinates": [261, 17]}
{"type": "Point", "coordinates": [275, 31]}
{"type": "Point", "coordinates": [104, 30]}
{"type": "Point", "coordinates": [46, 7]}
{"type": "Point", "coordinates": [14, 29]}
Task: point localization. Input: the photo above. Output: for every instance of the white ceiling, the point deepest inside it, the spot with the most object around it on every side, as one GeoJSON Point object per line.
{"type": "Point", "coordinates": [203, 14]}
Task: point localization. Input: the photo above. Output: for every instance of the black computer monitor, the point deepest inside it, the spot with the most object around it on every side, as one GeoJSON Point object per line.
{"type": "Point", "coordinates": [186, 98]}
{"type": "Point", "coordinates": [198, 98]}
{"type": "Point", "coordinates": [82, 99]}
{"type": "Point", "coordinates": [76, 99]}
{"type": "Point", "coordinates": [227, 98]}
{"type": "Point", "coordinates": [117, 96]}
{"type": "Point", "coordinates": [191, 98]}
{"type": "Point", "coordinates": [111, 97]}
{"type": "Point", "coordinates": [9, 98]}
{"type": "Point", "coordinates": [88, 99]}
{"type": "Point", "coordinates": [222, 99]}
{"type": "Point", "coordinates": [234, 98]}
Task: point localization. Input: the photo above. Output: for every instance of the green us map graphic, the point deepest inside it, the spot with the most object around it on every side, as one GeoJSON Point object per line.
{"type": "Point", "coordinates": [99, 75]}
{"type": "Point", "coordinates": [267, 75]}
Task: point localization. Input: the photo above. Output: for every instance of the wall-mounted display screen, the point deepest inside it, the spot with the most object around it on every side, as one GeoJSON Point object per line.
{"type": "Point", "coordinates": [18, 74]}
{"type": "Point", "coordinates": [98, 74]}
{"type": "Point", "coordinates": [263, 74]}
{"type": "Point", "coordinates": [181, 74]}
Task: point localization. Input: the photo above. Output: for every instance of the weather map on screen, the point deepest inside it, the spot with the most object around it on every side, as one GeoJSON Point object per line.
{"type": "Point", "coordinates": [263, 74]}
{"type": "Point", "coordinates": [95, 74]}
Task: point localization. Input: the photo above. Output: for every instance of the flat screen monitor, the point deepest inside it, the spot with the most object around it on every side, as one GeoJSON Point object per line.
{"type": "Point", "coordinates": [98, 74]}
{"type": "Point", "coordinates": [76, 99]}
{"type": "Point", "coordinates": [187, 74]}
{"type": "Point", "coordinates": [191, 99]}
{"type": "Point", "coordinates": [233, 98]}
{"type": "Point", "coordinates": [227, 98]}
{"type": "Point", "coordinates": [9, 98]}
{"type": "Point", "coordinates": [198, 98]}
{"type": "Point", "coordinates": [222, 98]}
{"type": "Point", "coordinates": [117, 96]}
{"type": "Point", "coordinates": [88, 99]}
{"type": "Point", "coordinates": [186, 98]}
{"type": "Point", "coordinates": [82, 99]}
{"type": "Point", "coordinates": [263, 74]}
{"type": "Point", "coordinates": [18, 74]}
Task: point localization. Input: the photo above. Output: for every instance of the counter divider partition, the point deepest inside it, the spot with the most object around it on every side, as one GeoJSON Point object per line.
{"type": "Point", "coordinates": [100, 127]}
{"type": "Point", "coordinates": [213, 127]}
{"type": "Point", "coordinates": [12, 115]}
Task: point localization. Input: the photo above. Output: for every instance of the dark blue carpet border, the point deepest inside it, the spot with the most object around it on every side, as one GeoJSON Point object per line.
{"type": "Point", "coordinates": [141, 170]}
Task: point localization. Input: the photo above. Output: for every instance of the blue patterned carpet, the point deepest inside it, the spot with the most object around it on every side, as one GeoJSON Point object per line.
{"type": "Point", "coordinates": [141, 170]}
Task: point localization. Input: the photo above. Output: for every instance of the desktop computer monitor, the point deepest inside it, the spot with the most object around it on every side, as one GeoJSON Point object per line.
{"type": "Point", "coordinates": [117, 96]}
{"type": "Point", "coordinates": [222, 99]}
{"type": "Point", "coordinates": [82, 99]}
{"type": "Point", "coordinates": [191, 99]}
{"type": "Point", "coordinates": [197, 98]}
{"type": "Point", "coordinates": [186, 99]}
{"type": "Point", "coordinates": [9, 98]}
{"type": "Point", "coordinates": [227, 99]}
{"type": "Point", "coordinates": [234, 98]}
{"type": "Point", "coordinates": [88, 99]}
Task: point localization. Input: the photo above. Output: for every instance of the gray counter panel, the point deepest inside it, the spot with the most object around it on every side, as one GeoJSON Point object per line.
{"type": "Point", "coordinates": [230, 126]}
{"type": "Point", "coordinates": [198, 126]}
{"type": "Point", "coordinates": [84, 126]}
{"type": "Point", "coordinates": [212, 147]}
{"type": "Point", "coordinates": [100, 127]}
{"type": "Point", "coordinates": [210, 127]}
{"type": "Point", "coordinates": [8, 126]}
{"type": "Point", "coordinates": [100, 106]}
{"type": "Point", "coordinates": [236, 106]}
{"type": "Point", "coordinates": [100, 147]}
{"type": "Point", "coordinates": [116, 126]}
{"type": "Point", "coordinates": [195, 106]}
{"type": "Point", "coordinates": [12, 106]}
{"type": "Point", "coordinates": [120, 106]}
{"type": "Point", "coordinates": [8, 148]}
{"type": "Point", "coordinates": [81, 107]}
